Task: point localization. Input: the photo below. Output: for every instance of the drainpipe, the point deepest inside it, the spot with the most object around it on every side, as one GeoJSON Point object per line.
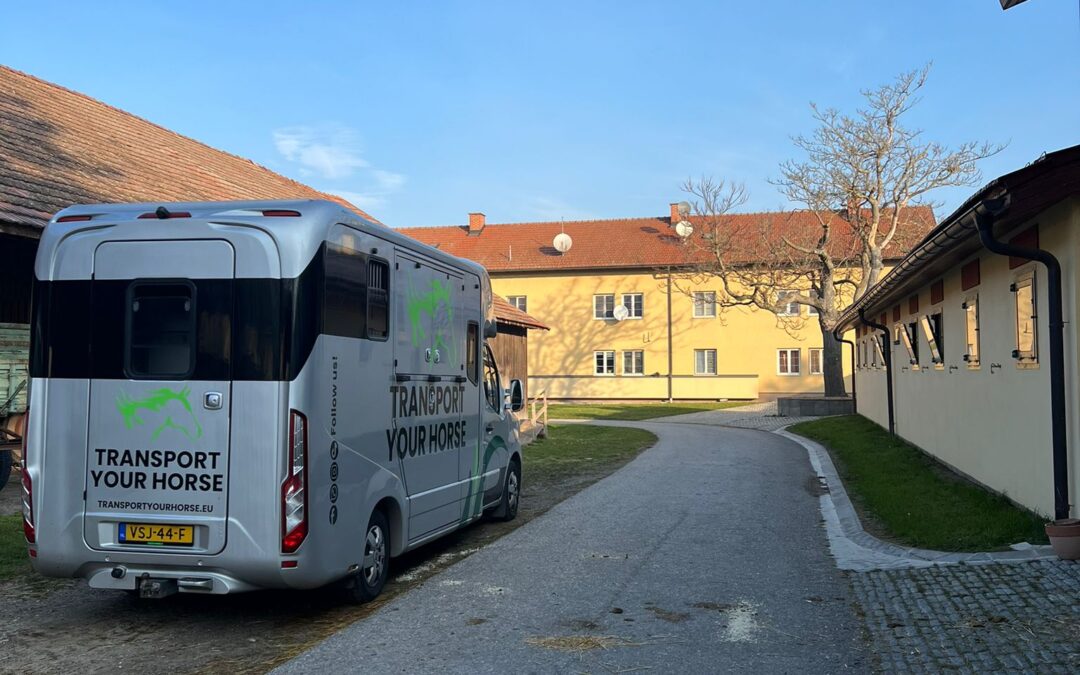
{"type": "Point", "coordinates": [985, 214]}
{"type": "Point", "coordinates": [670, 359]}
{"type": "Point", "coordinates": [888, 365]}
{"type": "Point", "coordinates": [838, 336]}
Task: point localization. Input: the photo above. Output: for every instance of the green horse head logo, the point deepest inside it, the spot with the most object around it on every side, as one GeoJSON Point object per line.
{"type": "Point", "coordinates": [167, 408]}
{"type": "Point", "coordinates": [434, 308]}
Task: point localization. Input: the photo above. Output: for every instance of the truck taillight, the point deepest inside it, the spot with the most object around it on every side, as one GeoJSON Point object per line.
{"type": "Point", "coordinates": [27, 488]}
{"type": "Point", "coordinates": [294, 523]}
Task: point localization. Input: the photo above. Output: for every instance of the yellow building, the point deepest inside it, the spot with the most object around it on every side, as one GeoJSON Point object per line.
{"type": "Point", "coordinates": [624, 324]}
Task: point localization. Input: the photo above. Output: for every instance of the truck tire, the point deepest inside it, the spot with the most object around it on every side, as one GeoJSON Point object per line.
{"type": "Point", "coordinates": [508, 508]}
{"type": "Point", "coordinates": [368, 582]}
{"type": "Point", "coordinates": [5, 467]}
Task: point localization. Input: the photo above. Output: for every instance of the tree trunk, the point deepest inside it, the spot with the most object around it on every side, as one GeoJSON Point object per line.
{"type": "Point", "coordinates": [832, 364]}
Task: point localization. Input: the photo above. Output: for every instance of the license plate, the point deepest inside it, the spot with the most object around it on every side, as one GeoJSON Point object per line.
{"type": "Point", "coordinates": [157, 535]}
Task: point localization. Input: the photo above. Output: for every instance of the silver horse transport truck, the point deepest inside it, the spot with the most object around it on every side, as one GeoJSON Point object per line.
{"type": "Point", "coordinates": [241, 395]}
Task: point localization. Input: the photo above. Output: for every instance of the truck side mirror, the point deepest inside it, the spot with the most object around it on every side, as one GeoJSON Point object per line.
{"type": "Point", "coordinates": [517, 396]}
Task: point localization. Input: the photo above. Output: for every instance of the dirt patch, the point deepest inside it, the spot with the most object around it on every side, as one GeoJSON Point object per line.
{"type": "Point", "coordinates": [716, 606]}
{"type": "Point", "coordinates": [475, 621]}
{"type": "Point", "coordinates": [580, 624]}
{"type": "Point", "coordinates": [667, 615]}
{"type": "Point", "coordinates": [65, 626]}
{"type": "Point", "coordinates": [579, 643]}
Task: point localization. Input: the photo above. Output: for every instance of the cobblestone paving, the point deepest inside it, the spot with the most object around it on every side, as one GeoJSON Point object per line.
{"type": "Point", "coordinates": [1016, 618]}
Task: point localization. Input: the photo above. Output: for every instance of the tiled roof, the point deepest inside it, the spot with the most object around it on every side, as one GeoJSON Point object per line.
{"type": "Point", "coordinates": [507, 313]}
{"type": "Point", "coordinates": [634, 242]}
{"type": "Point", "coordinates": [59, 147]}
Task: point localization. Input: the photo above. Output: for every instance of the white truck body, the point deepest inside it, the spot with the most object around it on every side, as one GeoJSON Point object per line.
{"type": "Point", "coordinates": [223, 394]}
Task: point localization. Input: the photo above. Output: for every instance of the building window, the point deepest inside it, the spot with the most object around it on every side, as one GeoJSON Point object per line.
{"type": "Point", "coordinates": [704, 304]}
{"type": "Point", "coordinates": [633, 362]}
{"type": "Point", "coordinates": [1027, 345]}
{"type": "Point", "coordinates": [161, 336]}
{"type": "Point", "coordinates": [604, 363]}
{"type": "Point", "coordinates": [704, 361]}
{"type": "Point", "coordinates": [812, 311]}
{"type": "Point", "coordinates": [911, 341]}
{"type": "Point", "coordinates": [971, 322]}
{"type": "Point", "coordinates": [634, 304]}
{"type": "Point", "coordinates": [786, 307]}
{"type": "Point", "coordinates": [472, 351]}
{"type": "Point", "coordinates": [518, 301]}
{"type": "Point", "coordinates": [931, 324]}
{"type": "Point", "coordinates": [604, 306]}
{"type": "Point", "coordinates": [787, 361]}
{"type": "Point", "coordinates": [378, 299]}
{"type": "Point", "coordinates": [816, 354]}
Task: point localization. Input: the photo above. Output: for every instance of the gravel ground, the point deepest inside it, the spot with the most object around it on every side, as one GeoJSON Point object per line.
{"type": "Point", "coordinates": [1009, 618]}
{"type": "Point", "coordinates": [705, 554]}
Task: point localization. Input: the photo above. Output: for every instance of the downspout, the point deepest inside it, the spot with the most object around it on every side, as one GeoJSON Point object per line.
{"type": "Point", "coordinates": [985, 214]}
{"type": "Point", "coordinates": [670, 359]}
{"type": "Point", "coordinates": [888, 365]}
{"type": "Point", "coordinates": [854, 400]}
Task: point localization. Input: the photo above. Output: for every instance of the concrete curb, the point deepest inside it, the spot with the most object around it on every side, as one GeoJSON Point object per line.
{"type": "Point", "coordinates": [857, 550]}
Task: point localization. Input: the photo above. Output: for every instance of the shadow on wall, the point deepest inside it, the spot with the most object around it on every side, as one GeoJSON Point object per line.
{"type": "Point", "coordinates": [575, 334]}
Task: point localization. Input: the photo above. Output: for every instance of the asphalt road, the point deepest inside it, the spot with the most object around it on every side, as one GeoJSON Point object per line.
{"type": "Point", "coordinates": [705, 554]}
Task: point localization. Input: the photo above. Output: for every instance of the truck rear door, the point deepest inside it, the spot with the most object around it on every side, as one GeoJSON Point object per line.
{"type": "Point", "coordinates": [158, 436]}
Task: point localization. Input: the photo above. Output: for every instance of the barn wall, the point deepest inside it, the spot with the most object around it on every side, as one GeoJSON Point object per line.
{"type": "Point", "coordinates": [511, 349]}
{"type": "Point", "coordinates": [16, 277]}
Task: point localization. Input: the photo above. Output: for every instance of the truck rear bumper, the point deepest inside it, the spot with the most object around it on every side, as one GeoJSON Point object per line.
{"type": "Point", "coordinates": [124, 577]}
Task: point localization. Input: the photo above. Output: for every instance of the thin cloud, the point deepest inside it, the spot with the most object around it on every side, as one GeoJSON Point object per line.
{"type": "Point", "coordinates": [334, 153]}
{"type": "Point", "coordinates": [331, 152]}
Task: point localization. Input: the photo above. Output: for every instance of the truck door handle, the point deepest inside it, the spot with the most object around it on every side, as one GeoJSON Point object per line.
{"type": "Point", "coordinates": [490, 428]}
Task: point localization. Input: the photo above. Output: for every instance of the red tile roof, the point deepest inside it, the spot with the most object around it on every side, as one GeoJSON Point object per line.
{"type": "Point", "coordinates": [59, 147]}
{"type": "Point", "coordinates": [507, 313]}
{"type": "Point", "coordinates": [635, 242]}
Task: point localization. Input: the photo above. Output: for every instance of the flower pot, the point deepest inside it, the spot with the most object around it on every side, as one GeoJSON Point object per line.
{"type": "Point", "coordinates": [1065, 538]}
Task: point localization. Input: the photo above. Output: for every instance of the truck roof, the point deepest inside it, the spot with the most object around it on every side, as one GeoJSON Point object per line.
{"type": "Point", "coordinates": [297, 226]}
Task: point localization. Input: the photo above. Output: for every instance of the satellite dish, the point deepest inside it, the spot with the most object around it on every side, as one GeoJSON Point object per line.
{"type": "Point", "coordinates": [684, 229]}
{"type": "Point", "coordinates": [562, 242]}
{"type": "Point", "coordinates": [683, 208]}
{"type": "Point", "coordinates": [620, 312]}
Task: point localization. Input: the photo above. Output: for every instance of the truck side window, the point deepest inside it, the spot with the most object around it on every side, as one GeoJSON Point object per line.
{"type": "Point", "coordinates": [472, 352]}
{"type": "Point", "coordinates": [160, 330]}
{"type": "Point", "coordinates": [492, 392]}
{"type": "Point", "coordinates": [378, 300]}
{"type": "Point", "coordinates": [343, 287]}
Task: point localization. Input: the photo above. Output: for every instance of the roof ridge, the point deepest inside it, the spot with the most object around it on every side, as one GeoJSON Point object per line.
{"type": "Point", "coordinates": [132, 115]}
{"type": "Point", "coordinates": [628, 218]}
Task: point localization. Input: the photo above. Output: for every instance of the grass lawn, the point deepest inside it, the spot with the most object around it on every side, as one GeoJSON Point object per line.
{"type": "Point", "coordinates": [13, 559]}
{"type": "Point", "coordinates": [632, 411]}
{"type": "Point", "coordinates": [581, 449]}
{"type": "Point", "coordinates": [905, 496]}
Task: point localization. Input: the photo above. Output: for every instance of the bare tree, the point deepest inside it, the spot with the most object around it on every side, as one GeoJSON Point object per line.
{"type": "Point", "coordinates": [859, 185]}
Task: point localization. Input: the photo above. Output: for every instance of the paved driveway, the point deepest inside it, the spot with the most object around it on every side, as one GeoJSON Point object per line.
{"type": "Point", "coordinates": [705, 554]}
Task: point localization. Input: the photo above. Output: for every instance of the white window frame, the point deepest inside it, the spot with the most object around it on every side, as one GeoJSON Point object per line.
{"type": "Point", "coordinates": [609, 362]}
{"type": "Point", "coordinates": [708, 304]}
{"type": "Point", "coordinates": [789, 351]}
{"type": "Point", "coordinates": [631, 353]}
{"type": "Point", "coordinates": [517, 300]}
{"type": "Point", "coordinates": [780, 300]}
{"type": "Point", "coordinates": [1029, 359]}
{"type": "Point", "coordinates": [706, 371]}
{"type": "Point", "coordinates": [973, 358]}
{"type": "Point", "coordinates": [812, 311]}
{"type": "Point", "coordinates": [605, 316]}
{"type": "Point", "coordinates": [820, 351]}
{"type": "Point", "coordinates": [632, 307]}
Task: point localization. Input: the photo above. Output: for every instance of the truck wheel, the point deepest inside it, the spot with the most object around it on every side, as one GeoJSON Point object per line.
{"type": "Point", "coordinates": [5, 467]}
{"type": "Point", "coordinates": [368, 582]}
{"type": "Point", "coordinates": [508, 508]}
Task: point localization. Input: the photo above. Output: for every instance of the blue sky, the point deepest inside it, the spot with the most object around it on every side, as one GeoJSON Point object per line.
{"type": "Point", "coordinates": [423, 111]}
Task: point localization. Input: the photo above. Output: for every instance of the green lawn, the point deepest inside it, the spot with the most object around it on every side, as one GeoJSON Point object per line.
{"type": "Point", "coordinates": [632, 411]}
{"type": "Point", "coordinates": [912, 499]}
{"type": "Point", "coordinates": [580, 448]}
{"type": "Point", "coordinates": [13, 558]}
